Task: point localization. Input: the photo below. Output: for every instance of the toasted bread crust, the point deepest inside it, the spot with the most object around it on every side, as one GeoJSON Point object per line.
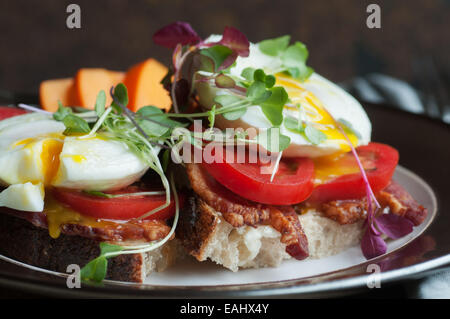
{"type": "Point", "coordinates": [197, 225]}
{"type": "Point", "coordinates": [25, 242]}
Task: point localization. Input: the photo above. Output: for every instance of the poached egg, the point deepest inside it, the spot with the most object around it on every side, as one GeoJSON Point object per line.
{"type": "Point", "coordinates": [321, 102]}
{"type": "Point", "coordinates": [34, 155]}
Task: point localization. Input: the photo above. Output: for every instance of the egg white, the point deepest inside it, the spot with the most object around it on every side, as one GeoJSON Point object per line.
{"type": "Point", "coordinates": [97, 164]}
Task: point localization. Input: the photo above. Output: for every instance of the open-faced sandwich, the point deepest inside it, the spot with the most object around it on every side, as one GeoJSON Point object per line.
{"type": "Point", "coordinates": [280, 166]}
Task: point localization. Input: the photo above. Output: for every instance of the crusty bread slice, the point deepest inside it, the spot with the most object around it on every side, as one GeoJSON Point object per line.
{"type": "Point", "coordinates": [206, 235]}
{"type": "Point", "coordinates": [22, 241]}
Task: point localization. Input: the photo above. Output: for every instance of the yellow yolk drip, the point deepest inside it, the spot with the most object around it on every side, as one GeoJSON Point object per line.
{"type": "Point", "coordinates": [329, 167]}
{"type": "Point", "coordinates": [50, 159]}
{"type": "Point", "coordinates": [24, 142]}
{"type": "Point", "coordinates": [314, 111]}
{"type": "Point", "coordinates": [58, 215]}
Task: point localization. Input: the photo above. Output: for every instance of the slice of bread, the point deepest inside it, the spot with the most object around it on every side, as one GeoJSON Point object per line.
{"type": "Point", "coordinates": [22, 241]}
{"type": "Point", "coordinates": [205, 234]}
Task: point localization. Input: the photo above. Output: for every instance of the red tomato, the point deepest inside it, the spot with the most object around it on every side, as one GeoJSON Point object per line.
{"type": "Point", "coordinates": [6, 112]}
{"type": "Point", "coordinates": [379, 162]}
{"type": "Point", "coordinates": [122, 208]}
{"type": "Point", "coordinates": [292, 184]}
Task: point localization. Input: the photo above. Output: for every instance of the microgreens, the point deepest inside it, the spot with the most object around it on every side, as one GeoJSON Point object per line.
{"type": "Point", "coordinates": [276, 46]}
{"type": "Point", "coordinates": [218, 54]}
{"type": "Point", "coordinates": [294, 125]}
{"type": "Point", "coordinates": [62, 112]}
{"type": "Point", "coordinates": [75, 124]}
{"type": "Point", "coordinates": [100, 103]}
{"type": "Point", "coordinates": [292, 57]}
{"type": "Point", "coordinates": [312, 134]}
{"type": "Point", "coordinates": [96, 269]}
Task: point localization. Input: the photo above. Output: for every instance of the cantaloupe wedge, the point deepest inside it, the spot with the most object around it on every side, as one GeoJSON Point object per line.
{"type": "Point", "coordinates": [144, 87]}
{"type": "Point", "coordinates": [89, 81]}
{"type": "Point", "coordinates": [50, 91]}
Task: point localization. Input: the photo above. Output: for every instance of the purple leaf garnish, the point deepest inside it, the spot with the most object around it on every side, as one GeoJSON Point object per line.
{"type": "Point", "coordinates": [394, 226]}
{"type": "Point", "coordinates": [176, 33]}
{"type": "Point", "coordinates": [236, 41]}
{"type": "Point", "coordinates": [372, 245]}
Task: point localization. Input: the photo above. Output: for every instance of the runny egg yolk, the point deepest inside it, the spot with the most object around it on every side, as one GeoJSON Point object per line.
{"type": "Point", "coordinates": [50, 159]}
{"type": "Point", "coordinates": [329, 167]}
{"type": "Point", "coordinates": [314, 111]}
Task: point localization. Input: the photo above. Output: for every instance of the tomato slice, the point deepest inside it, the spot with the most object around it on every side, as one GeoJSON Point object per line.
{"type": "Point", "coordinates": [6, 112]}
{"type": "Point", "coordinates": [120, 208]}
{"type": "Point", "coordinates": [379, 162]}
{"type": "Point", "coordinates": [292, 183]}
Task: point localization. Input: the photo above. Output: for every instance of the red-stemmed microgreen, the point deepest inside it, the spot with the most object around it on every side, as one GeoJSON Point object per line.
{"type": "Point", "coordinates": [372, 244]}
{"type": "Point", "coordinates": [377, 224]}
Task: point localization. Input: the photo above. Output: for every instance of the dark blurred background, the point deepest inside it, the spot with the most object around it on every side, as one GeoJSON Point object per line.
{"type": "Point", "coordinates": [37, 45]}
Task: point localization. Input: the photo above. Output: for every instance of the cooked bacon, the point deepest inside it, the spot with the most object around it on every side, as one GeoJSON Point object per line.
{"type": "Point", "coordinates": [235, 209]}
{"type": "Point", "coordinates": [148, 230]}
{"type": "Point", "coordinates": [401, 203]}
{"type": "Point", "coordinates": [285, 221]}
{"type": "Point", "coordinates": [345, 211]}
{"type": "Point", "coordinates": [394, 196]}
{"type": "Point", "coordinates": [134, 230]}
{"type": "Point", "coordinates": [239, 212]}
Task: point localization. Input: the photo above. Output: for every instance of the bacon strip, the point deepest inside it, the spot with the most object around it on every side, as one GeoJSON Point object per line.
{"type": "Point", "coordinates": [345, 211]}
{"type": "Point", "coordinates": [235, 209]}
{"type": "Point", "coordinates": [135, 230]}
{"type": "Point", "coordinates": [394, 196]}
{"type": "Point", "coordinates": [286, 222]}
{"type": "Point", "coordinates": [401, 203]}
